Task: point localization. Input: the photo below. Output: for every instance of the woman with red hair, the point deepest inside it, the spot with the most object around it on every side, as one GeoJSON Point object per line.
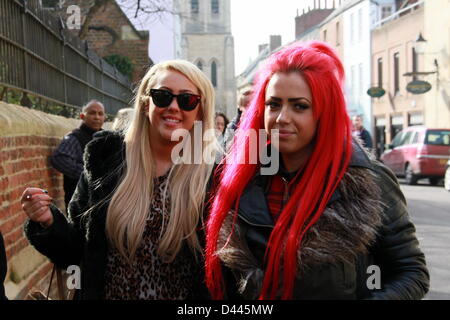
{"type": "Point", "coordinates": [331, 223]}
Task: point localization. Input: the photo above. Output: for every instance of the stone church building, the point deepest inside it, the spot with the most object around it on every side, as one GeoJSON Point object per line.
{"type": "Point", "coordinates": [206, 40]}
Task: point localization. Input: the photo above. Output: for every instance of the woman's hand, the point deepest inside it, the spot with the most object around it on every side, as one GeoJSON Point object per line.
{"type": "Point", "coordinates": [36, 204]}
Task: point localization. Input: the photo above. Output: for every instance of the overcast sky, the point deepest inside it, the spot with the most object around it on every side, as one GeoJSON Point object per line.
{"type": "Point", "coordinates": [253, 21]}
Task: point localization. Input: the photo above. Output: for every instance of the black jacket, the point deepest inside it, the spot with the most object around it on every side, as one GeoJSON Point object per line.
{"type": "Point", "coordinates": [365, 224]}
{"type": "Point", "coordinates": [3, 268]}
{"type": "Point", "coordinates": [83, 242]}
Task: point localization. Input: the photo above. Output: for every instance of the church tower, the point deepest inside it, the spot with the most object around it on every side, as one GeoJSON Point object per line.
{"type": "Point", "coordinates": [206, 41]}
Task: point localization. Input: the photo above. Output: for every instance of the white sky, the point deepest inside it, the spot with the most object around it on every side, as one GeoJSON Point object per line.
{"type": "Point", "coordinates": [253, 21]}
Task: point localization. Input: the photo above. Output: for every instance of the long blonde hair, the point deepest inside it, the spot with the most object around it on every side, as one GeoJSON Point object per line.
{"type": "Point", "coordinates": [130, 203]}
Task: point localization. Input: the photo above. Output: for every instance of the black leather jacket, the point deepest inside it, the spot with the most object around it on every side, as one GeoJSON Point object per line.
{"type": "Point", "coordinates": [365, 230]}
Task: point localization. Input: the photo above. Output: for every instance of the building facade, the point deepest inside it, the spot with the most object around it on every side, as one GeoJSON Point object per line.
{"type": "Point", "coordinates": [206, 40]}
{"type": "Point", "coordinates": [394, 56]}
{"type": "Point", "coordinates": [110, 32]}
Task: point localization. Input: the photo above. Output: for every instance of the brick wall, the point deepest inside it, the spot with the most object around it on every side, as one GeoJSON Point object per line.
{"type": "Point", "coordinates": [132, 44]}
{"type": "Point", "coordinates": [27, 139]}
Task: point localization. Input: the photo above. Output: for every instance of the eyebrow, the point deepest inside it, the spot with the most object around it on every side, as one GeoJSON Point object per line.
{"type": "Point", "coordinates": [290, 99]}
{"type": "Point", "coordinates": [181, 91]}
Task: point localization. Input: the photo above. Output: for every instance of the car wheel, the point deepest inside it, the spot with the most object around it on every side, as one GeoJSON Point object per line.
{"type": "Point", "coordinates": [410, 177]}
{"type": "Point", "coordinates": [447, 179]}
{"type": "Point", "coordinates": [434, 181]}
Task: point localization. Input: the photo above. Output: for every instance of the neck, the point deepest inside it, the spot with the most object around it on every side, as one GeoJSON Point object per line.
{"type": "Point", "coordinates": [162, 154]}
{"type": "Point", "coordinates": [295, 161]}
{"type": "Point", "coordinates": [87, 129]}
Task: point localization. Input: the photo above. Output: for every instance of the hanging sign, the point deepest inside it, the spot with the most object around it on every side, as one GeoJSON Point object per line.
{"type": "Point", "coordinates": [418, 87]}
{"type": "Point", "coordinates": [376, 92]}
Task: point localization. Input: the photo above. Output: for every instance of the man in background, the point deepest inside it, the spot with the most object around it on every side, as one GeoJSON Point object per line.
{"type": "Point", "coordinates": [68, 157]}
{"type": "Point", "coordinates": [360, 132]}
{"type": "Point", "coordinates": [244, 101]}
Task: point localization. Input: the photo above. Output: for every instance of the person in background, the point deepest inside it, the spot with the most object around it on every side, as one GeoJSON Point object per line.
{"type": "Point", "coordinates": [243, 103]}
{"type": "Point", "coordinates": [220, 123]}
{"type": "Point", "coordinates": [123, 119]}
{"type": "Point", "coordinates": [134, 224]}
{"type": "Point", "coordinates": [331, 223]}
{"type": "Point", "coordinates": [68, 156]}
{"type": "Point", "coordinates": [3, 268]}
{"type": "Point", "coordinates": [360, 132]}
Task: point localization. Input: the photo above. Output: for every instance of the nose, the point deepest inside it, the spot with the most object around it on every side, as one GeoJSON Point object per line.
{"type": "Point", "coordinates": [173, 106]}
{"type": "Point", "coordinates": [283, 117]}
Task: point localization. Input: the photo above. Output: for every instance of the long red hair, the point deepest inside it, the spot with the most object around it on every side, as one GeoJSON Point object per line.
{"type": "Point", "coordinates": [324, 73]}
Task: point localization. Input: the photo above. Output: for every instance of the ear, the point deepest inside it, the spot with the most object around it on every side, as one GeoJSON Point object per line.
{"type": "Point", "coordinates": [82, 115]}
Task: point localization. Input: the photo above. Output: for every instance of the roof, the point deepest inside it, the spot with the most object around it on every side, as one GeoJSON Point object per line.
{"type": "Point", "coordinates": [143, 34]}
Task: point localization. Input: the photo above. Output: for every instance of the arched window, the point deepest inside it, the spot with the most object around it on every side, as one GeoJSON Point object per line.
{"type": "Point", "coordinates": [215, 6]}
{"type": "Point", "coordinates": [214, 73]}
{"type": "Point", "coordinates": [194, 6]}
{"type": "Point", "coordinates": [199, 64]}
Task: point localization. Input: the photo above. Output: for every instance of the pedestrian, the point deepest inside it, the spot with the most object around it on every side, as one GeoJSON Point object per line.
{"type": "Point", "coordinates": [68, 156]}
{"type": "Point", "coordinates": [360, 132]}
{"type": "Point", "coordinates": [123, 119]}
{"type": "Point", "coordinates": [332, 223]}
{"type": "Point", "coordinates": [220, 123]}
{"type": "Point", "coordinates": [134, 222]}
{"type": "Point", "coordinates": [243, 102]}
{"type": "Point", "coordinates": [3, 268]}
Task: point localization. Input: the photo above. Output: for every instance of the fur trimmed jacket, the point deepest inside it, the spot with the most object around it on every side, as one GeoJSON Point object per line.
{"type": "Point", "coordinates": [82, 241]}
{"type": "Point", "coordinates": [363, 247]}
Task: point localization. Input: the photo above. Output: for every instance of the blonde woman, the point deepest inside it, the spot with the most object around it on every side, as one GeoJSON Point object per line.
{"type": "Point", "coordinates": [133, 222]}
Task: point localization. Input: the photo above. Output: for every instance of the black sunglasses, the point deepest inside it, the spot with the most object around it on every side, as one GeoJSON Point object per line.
{"type": "Point", "coordinates": [163, 98]}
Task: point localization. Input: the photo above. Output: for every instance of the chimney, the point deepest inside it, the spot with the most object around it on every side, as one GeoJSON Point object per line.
{"type": "Point", "coordinates": [261, 47]}
{"type": "Point", "coordinates": [275, 42]}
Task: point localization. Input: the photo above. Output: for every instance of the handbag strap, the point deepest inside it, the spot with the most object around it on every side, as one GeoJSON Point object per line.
{"type": "Point", "coordinates": [59, 280]}
{"type": "Point", "coordinates": [50, 284]}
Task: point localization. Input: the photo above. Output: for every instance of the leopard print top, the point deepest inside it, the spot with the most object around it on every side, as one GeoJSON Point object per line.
{"type": "Point", "coordinates": [149, 277]}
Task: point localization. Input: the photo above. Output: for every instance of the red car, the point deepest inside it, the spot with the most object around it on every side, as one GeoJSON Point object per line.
{"type": "Point", "coordinates": [419, 152]}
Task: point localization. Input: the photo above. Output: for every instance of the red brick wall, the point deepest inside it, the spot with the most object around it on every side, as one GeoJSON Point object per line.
{"type": "Point", "coordinates": [23, 163]}
{"type": "Point", "coordinates": [27, 139]}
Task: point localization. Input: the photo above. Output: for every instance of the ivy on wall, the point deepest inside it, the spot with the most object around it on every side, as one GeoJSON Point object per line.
{"type": "Point", "coordinates": [122, 63]}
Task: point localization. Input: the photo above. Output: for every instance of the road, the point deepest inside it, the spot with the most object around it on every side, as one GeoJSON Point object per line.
{"type": "Point", "coordinates": [429, 208]}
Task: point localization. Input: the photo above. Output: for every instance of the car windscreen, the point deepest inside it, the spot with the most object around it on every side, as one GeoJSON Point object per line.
{"type": "Point", "coordinates": [438, 137]}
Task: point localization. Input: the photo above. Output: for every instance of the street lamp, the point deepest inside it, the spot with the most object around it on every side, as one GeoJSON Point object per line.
{"type": "Point", "coordinates": [420, 44]}
{"type": "Point", "coordinates": [419, 86]}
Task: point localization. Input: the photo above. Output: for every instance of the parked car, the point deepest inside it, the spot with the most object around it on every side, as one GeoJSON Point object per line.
{"type": "Point", "coordinates": [447, 177]}
{"type": "Point", "coordinates": [419, 152]}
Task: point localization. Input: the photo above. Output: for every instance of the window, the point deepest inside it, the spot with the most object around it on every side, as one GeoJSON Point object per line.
{"type": "Point", "coordinates": [215, 6]}
{"type": "Point", "coordinates": [361, 79]}
{"type": "Point", "coordinates": [200, 65]}
{"type": "Point", "coordinates": [396, 73]}
{"type": "Point", "coordinates": [324, 35]}
{"type": "Point", "coordinates": [360, 25]}
{"type": "Point", "coordinates": [386, 11]}
{"type": "Point", "coordinates": [214, 74]}
{"type": "Point", "coordinates": [337, 33]}
{"type": "Point", "coordinates": [352, 28]}
{"type": "Point", "coordinates": [194, 6]}
{"type": "Point", "coordinates": [380, 72]}
{"type": "Point", "coordinates": [414, 62]}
